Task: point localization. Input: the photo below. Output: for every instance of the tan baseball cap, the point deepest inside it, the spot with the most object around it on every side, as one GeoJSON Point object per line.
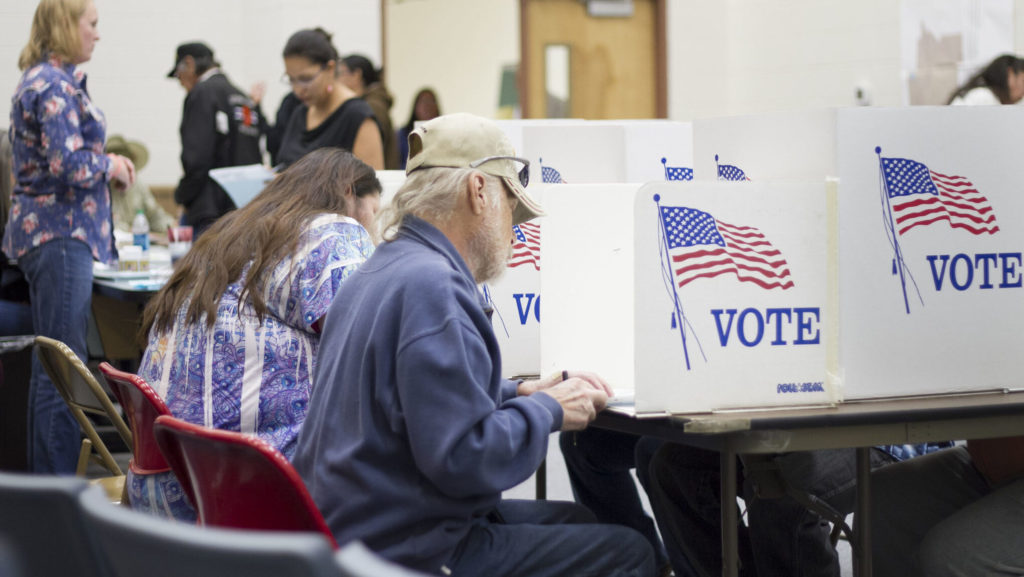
{"type": "Point", "coordinates": [467, 141]}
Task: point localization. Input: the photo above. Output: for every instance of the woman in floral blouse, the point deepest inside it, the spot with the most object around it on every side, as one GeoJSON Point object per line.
{"type": "Point", "coordinates": [60, 206]}
{"type": "Point", "coordinates": [233, 336]}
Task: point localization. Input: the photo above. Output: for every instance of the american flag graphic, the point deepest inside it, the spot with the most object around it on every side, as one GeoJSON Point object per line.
{"type": "Point", "coordinates": [730, 172]}
{"type": "Point", "coordinates": [526, 247]}
{"type": "Point", "coordinates": [676, 172]}
{"type": "Point", "coordinates": [549, 175]}
{"type": "Point", "coordinates": [920, 196]}
{"type": "Point", "coordinates": [700, 246]}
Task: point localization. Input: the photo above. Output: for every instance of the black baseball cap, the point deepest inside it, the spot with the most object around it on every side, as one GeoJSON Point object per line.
{"type": "Point", "coordinates": [193, 49]}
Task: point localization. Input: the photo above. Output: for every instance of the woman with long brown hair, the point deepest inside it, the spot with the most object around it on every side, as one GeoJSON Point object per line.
{"type": "Point", "coordinates": [233, 335]}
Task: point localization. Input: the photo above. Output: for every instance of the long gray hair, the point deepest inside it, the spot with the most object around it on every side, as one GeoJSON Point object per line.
{"type": "Point", "coordinates": [430, 194]}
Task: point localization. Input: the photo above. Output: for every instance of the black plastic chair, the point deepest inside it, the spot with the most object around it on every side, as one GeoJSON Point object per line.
{"type": "Point", "coordinates": [42, 526]}
{"type": "Point", "coordinates": [138, 544]}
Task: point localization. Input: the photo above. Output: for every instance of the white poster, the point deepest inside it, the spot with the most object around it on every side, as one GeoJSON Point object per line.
{"type": "Point", "coordinates": [944, 42]}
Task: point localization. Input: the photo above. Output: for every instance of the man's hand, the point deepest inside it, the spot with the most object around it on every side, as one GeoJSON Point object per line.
{"type": "Point", "coordinates": [580, 402]}
{"type": "Point", "coordinates": [592, 379]}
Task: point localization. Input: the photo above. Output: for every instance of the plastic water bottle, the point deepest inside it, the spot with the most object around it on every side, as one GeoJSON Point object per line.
{"type": "Point", "coordinates": [140, 231]}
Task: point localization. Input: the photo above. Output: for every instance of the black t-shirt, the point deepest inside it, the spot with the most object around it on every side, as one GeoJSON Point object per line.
{"type": "Point", "coordinates": [339, 130]}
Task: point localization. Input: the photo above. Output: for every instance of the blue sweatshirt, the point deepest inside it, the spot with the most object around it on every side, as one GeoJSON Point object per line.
{"type": "Point", "coordinates": [412, 434]}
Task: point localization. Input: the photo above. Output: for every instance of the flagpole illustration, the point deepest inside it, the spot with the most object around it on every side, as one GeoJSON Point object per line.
{"type": "Point", "coordinates": [488, 299]}
{"type": "Point", "coordinates": [675, 293]}
{"type": "Point", "coordinates": [892, 229]}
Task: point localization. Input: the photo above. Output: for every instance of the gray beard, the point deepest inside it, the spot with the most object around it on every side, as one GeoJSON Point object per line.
{"type": "Point", "coordinates": [489, 250]}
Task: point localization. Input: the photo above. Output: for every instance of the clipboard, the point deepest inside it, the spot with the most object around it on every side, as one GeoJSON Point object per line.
{"type": "Point", "coordinates": [242, 183]}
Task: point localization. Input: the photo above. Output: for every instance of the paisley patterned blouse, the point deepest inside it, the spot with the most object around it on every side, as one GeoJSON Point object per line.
{"type": "Point", "coordinates": [245, 376]}
{"type": "Point", "coordinates": [61, 171]}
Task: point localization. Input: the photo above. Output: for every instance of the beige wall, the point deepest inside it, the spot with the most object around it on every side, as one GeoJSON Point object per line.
{"type": "Point", "coordinates": [458, 47]}
{"type": "Point", "coordinates": [736, 57]}
{"type": "Point", "coordinates": [725, 57]}
{"type": "Point", "coordinates": [127, 75]}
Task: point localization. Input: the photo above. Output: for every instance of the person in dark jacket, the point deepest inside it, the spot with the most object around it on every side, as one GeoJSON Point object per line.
{"type": "Point", "coordinates": [220, 126]}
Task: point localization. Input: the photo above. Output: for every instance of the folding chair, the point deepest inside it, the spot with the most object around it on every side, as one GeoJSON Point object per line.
{"type": "Point", "coordinates": [142, 406]}
{"type": "Point", "coordinates": [83, 394]}
{"type": "Point", "coordinates": [43, 527]}
{"type": "Point", "coordinates": [237, 480]}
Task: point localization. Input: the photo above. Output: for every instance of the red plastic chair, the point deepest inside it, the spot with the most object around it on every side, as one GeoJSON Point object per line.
{"type": "Point", "coordinates": [142, 406]}
{"type": "Point", "coordinates": [238, 481]}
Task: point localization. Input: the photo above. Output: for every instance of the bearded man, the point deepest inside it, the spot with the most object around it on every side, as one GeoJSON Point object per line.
{"type": "Point", "coordinates": [412, 434]}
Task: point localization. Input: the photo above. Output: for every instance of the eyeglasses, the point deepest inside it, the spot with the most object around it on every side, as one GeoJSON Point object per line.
{"type": "Point", "coordinates": [524, 172]}
{"type": "Point", "coordinates": [302, 81]}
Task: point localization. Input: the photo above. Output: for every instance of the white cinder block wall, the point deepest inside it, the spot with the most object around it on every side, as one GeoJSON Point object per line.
{"type": "Point", "coordinates": [746, 56]}
{"type": "Point", "coordinates": [726, 57]}
{"type": "Point", "coordinates": [127, 75]}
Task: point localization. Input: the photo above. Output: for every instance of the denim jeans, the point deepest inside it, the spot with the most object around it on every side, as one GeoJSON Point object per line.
{"type": "Point", "coordinates": [782, 536]}
{"type": "Point", "coordinates": [599, 462]}
{"type": "Point", "coordinates": [59, 275]}
{"type": "Point", "coordinates": [550, 538]}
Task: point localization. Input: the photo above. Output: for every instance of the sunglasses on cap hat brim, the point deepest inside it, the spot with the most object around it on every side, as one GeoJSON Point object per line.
{"type": "Point", "coordinates": [524, 172]}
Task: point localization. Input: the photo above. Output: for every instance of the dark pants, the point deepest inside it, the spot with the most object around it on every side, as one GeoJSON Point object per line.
{"type": "Point", "coordinates": [599, 462]}
{"type": "Point", "coordinates": [550, 538]}
{"type": "Point", "coordinates": [784, 538]}
{"type": "Point", "coordinates": [15, 319]}
{"type": "Point", "coordinates": [59, 275]}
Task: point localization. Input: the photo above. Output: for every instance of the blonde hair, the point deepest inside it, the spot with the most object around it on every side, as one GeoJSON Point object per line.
{"type": "Point", "coordinates": [54, 32]}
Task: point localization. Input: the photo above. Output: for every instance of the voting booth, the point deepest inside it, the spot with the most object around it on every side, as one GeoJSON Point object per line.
{"type": "Point", "coordinates": [390, 182]}
{"type": "Point", "coordinates": [932, 228]}
{"type": "Point", "coordinates": [589, 151]}
{"type": "Point", "coordinates": [698, 296]}
{"type": "Point", "coordinates": [929, 227]}
{"type": "Point", "coordinates": [607, 150]}
{"type": "Point", "coordinates": [799, 144]}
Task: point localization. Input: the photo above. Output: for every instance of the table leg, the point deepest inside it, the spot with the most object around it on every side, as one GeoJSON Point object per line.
{"type": "Point", "coordinates": [542, 481]}
{"type": "Point", "coordinates": [730, 522]}
{"type": "Point", "coordinates": [862, 515]}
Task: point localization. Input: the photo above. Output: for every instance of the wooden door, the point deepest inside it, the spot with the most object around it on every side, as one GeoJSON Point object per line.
{"type": "Point", "coordinates": [616, 65]}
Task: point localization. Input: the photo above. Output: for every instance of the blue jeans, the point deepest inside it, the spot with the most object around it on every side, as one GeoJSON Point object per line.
{"type": "Point", "coordinates": [782, 537]}
{"type": "Point", "coordinates": [59, 275]}
{"type": "Point", "coordinates": [550, 538]}
{"type": "Point", "coordinates": [599, 461]}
